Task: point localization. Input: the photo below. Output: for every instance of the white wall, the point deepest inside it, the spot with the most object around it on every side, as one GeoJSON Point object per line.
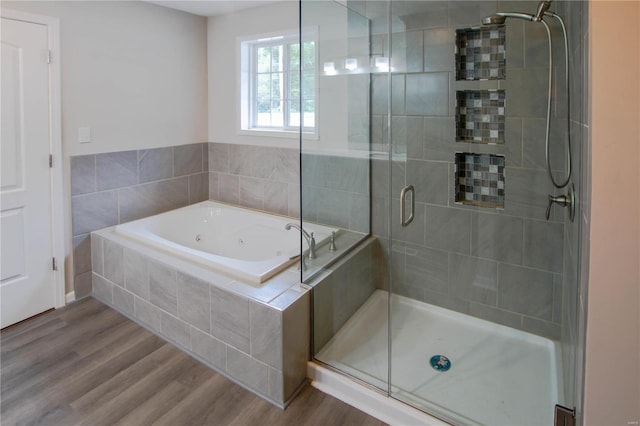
{"type": "Point", "coordinates": [223, 33]}
{"type": "Point", "coordinates": [329, 19]}
{"type": "Point", "coordinates": [134, 72]}
{"type": "Point", "coordinates": [612, 382]}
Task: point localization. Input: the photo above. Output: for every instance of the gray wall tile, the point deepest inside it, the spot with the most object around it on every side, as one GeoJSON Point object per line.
{"type": "Point", "coordinates": [229, 188]}
{"type": "Point", "coordinates": [198, 187]}
{"type": "Point", "coordinates": [276, 385]}
{"type": "Point", "coordinates": [147, 313]}
{"type": "Point", "coordinates": [205, 156]}
{"type": "Point", "coordinates": [448, 229]}
{"type": "Point", "coordinates": [230, 318]}
{"type": "Point", "coordinates": [193, 301]}
{"type": "Point", "coordinates": [542, 328]}
{"type": "Point", "coordinates": [527, 83]}
{"type": "Point", "coordinates": [114, 262]}
{"type": "Point", "coordinates": [136, 273]}
{"type": "Point", "coordinates": [83, 174]}
{"type": "Point", "coordinates": [176, 330]}
{"type": "Point", "coordinates": [438, 47]}
{"type": "Point", "coordinates": [163, 287]}
{"type": "Point", "coordinates": [94, 211]}
{"type": "Point", "coordinates": [155, 164]}
{"type": "Point", "coordinates": [287, 165]}
{"type": "Point", "coordinates": [240, 159]}
{"type": "Point", "coordinates": [263, 162]}
{"type": "Point", "coordinates": [526, 291]}
{"type": "Point", "coordinates": [296, 340]}
{"type": "Point", "coordinates": [495, 315]}
{"type": "Point", "coordinates": [82, 285]}
{"type": "Point", "coordinates": [247, 370]}
{"type": "Point", "coordinates": [415, 232]}
{"type": "Point", "coordinates": [81, 254]}
{"type": "Point", "coordinates": [172, 194]}
{"type": "Point", "coordinates": [276, 197]}
{"type": "Point", "coordinates": [430, 179]}
{"type": "Point", "coordinates": [427, 94]}
{"type": "Point", "coordinates": [251, 192]}
{"type": "Point", "coordinates": [219, 157]}
{"type": "Point", "coordinates": [543, 245]}
{"type": "Point", "coordinates": [474, 279]}
{"type": "Point", "coordinates": [266, 334]}
{"type": "Point", "coordinates": [123, 300]}
{"type": "Point", "coordinates": [497, 237]}
{"type": "Point", "coordinates": [209, 348]}
{"type": "Point", "coordinates": [447, 301]}
{"type": "Point", "coordinates": [214, 193]}
{"type": "Point", "coordinates": [187, 159]}
{"type": "Point", "coordinates": [97, 262]}
{"type": "Point", "coordinates": [102, 289]}
{"type": "Point", "coordinates": [439, 134]}
{"type": "Point", "coordinates": [427, 268]}
{"type": "Point", "coordinates": [138, 201]}
{"type": "Point", "coordinates": [116, 169]}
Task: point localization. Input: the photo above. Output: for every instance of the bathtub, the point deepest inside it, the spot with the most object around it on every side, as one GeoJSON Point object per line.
{"type": "Point", "coordinates": [249, 245]}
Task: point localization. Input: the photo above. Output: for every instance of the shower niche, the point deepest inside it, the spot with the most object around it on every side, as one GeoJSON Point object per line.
{"type": "Point", "coordinates": [480, 53]}
{"type": "Point", "coordinates": [480, 116]}
{"type": "Point", "coordinates": [480, 179]}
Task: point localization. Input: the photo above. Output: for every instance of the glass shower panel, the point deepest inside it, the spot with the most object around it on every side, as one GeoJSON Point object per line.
{"type": "Point", "coordinates": [477, 289]}
{"type": "Point", "coordinates": [335, 167]}
{"type": "Point", "coordinates": [336, 195]}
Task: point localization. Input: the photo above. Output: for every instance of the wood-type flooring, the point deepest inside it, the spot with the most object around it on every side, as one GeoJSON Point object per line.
{"type": "Point", "coordinates": [86, 364]}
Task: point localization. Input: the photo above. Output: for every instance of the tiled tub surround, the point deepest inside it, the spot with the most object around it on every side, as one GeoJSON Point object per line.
{"type": "Point", "coordinates": [258, 337]}
{"type": "Point", "coordinates": [341, 289]}
{"type": "Point", "coordinates": [112, 188]}
{"type": "Point", "coordinates": [257, 177]}
{"type": "Point", "coordinates": [335, 191]}
{"type": "Point", "coordinates": [504, 265]}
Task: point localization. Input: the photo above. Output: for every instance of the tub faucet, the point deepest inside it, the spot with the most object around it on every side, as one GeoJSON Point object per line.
{"type": "Point", "coordinates": [311, 241]}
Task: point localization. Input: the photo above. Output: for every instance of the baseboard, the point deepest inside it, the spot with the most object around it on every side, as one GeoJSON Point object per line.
{"type": "Point", "coordinates": [367, 400]}
{"type": "Point", "coordinates": [70, 297]}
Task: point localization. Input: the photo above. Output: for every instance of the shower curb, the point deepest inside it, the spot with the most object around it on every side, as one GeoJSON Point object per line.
{"type": "Point", "coordinates": [367, 400]}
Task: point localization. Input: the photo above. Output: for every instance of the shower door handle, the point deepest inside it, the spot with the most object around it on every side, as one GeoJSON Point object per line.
{"type": "Point", "coordinates": [404, 220]}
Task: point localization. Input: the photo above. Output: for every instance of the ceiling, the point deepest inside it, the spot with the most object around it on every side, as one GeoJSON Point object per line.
{"type": "Point", "coordinates": [211, 7]}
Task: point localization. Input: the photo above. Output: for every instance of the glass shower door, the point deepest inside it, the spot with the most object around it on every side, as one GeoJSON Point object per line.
{"type": "Point", "coordinates": [476, 297]}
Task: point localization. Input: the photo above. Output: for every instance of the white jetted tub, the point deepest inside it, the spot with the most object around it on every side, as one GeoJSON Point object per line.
{"type": "Point", "coordinates": [250, 245]}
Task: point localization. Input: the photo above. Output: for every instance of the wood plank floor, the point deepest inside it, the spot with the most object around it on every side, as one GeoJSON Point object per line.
{"type": "Point", "coordinates": [86, 364]}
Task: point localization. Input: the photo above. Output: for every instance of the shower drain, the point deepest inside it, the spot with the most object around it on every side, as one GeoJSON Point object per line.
{"type": "Point", "coordinates": [440, 363]}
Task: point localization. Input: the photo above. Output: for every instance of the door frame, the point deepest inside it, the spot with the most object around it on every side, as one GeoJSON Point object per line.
{"type": "Point", "coordinates": [59, 213]}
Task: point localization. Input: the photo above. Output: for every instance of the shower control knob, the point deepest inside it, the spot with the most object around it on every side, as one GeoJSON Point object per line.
{"type": "Point", "coordinates": [564, 201]}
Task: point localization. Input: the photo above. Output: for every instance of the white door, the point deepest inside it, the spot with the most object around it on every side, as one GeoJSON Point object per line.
{"type": "Point", "coordinates": [27, 281]}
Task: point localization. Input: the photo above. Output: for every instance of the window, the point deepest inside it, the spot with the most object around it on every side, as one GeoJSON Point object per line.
{"type": "Point", "coordinates": [272, 97]}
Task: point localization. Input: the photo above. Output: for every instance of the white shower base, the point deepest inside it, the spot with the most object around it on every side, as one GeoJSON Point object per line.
{"type": "Point", "coordinates": [499, 375]}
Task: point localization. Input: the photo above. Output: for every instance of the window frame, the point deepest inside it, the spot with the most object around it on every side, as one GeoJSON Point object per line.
{"type": "Point", "coordinates": [248, 65]}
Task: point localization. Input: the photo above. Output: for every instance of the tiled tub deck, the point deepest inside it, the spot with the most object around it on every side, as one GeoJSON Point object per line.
{"type": "Point", "coordinates": [256, 336]}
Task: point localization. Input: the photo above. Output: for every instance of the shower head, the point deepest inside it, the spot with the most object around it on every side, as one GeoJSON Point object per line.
{"type": "Point", "coordinates": [499, 18]}
{"type": "Point", "coordinates": [543, 6]}
{"type": "Point", "coordinates": [494, 20]}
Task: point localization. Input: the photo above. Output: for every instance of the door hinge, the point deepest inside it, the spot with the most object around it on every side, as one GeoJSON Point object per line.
{"type": "Point", "coordinates": [564, 416]}
{"type": "Point", "coordinates": [50, 160]}
{"type": "Point", "coordinates": [54, 264]}
{"type": "Point", "coordinates": [48, 56]}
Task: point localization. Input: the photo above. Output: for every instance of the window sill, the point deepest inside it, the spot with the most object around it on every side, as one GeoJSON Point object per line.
{"type": "Point", "coordinates": [284, 134]}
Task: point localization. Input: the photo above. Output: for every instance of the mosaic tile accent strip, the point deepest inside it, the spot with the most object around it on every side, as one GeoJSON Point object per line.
{"type": "Point", "coordinates": [480, 179]}
{"type": "Point", "coordinates": [480, 116]}
{"type": "Point", "coordinates": [480, 53]}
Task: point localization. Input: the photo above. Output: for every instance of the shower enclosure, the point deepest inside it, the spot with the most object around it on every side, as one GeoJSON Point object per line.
{"type": "Point", "coordinates": [450, 289]}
